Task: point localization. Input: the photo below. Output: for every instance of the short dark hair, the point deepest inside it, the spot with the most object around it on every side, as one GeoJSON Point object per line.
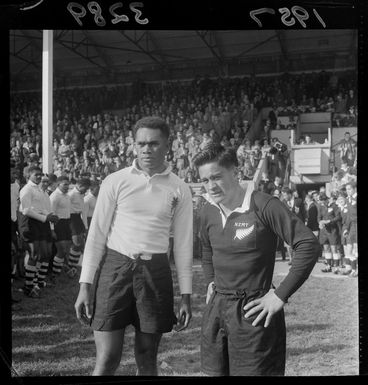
{"type": "Point", "coordinates": [309, 196]}
{"type": "Point", "coordinates": [32, 169]}
{"type": "Point", "coordinates": [323, 197]}
{"type": "Point", "coordinates": [52, 178]}
{"type": "Point", "coordinates": [286, 190]}
{"type": "Point", "coordinates": [84, 182]}
{"type": "Point", "coordinates": [214, 152]}
{"type": "Point", "coordinates": [155, 123]}
{"type": "Point", "coordinates": [62, 178]}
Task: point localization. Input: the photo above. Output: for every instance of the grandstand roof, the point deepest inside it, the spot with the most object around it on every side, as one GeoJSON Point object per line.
{"type": "Point", "coordinates": [119, 51]}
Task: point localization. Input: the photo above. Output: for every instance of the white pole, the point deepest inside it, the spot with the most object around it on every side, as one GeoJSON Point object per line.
{"type": "Point", "coordinates": [47, 98]}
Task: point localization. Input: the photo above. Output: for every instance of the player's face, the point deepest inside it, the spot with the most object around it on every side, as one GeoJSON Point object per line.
{"type": "Point", "coordinates": [95, 190]}
{"type": "Point", "coordinates": [340, 202]}
{"type": "Point", "coordinates": [35, 177]}
{"type": "Point", "coordinates": [220, 183]}
{"type": "Point", "coordinates": [82, 189]}
{"type": "Point", "coordinates": [64, 186]}
{"type": "Point", "coordinates": [151, 147]}
{"type": "Point", "coordinates": [350, 190]}
{"type": "Point", "coordinates": [286, 196]}
{"type": "Point", "coordinates": [44, 183]}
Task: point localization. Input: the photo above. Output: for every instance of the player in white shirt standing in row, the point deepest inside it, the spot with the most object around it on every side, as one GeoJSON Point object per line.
{"type": "Point", "coordinates": [78, 224]}
{"type": "Point", "coordinates": [34, 226]}
{"type": "Point", "coordinates": [61, 206]}
{"type": "Point", "coordinates": [90, 201]}
{"type": "Point", "coordinates": [14, 203]}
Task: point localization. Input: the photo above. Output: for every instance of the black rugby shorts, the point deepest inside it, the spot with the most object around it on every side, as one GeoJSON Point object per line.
{"type": "Point", "coordinates": [136, 292]}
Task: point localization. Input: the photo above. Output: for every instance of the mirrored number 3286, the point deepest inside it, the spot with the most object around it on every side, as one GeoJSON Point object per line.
{"type": "Point", "coordinates": [78, 11]}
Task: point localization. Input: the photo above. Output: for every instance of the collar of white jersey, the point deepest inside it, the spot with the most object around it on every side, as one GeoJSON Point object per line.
{"type": "Point", "coordinates": [242, 209]}
{"type": "Point", "coordinates": [32, 184]}
{"type": "Point", "coordinates": [135, 168]}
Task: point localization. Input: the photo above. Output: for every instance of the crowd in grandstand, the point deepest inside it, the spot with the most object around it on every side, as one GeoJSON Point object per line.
{"type": "Point", "coordinates": [89, 142]}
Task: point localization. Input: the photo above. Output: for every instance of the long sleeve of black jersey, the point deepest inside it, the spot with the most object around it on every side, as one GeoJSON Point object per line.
{"type": "Point", "coordinates": [337, 215]}
{"type": "Point", "coordinates": [207, 264]}
{"type": "Point", "coordinates": [294, 232]}
{"type": "Point", "coordinates": [312, 216]}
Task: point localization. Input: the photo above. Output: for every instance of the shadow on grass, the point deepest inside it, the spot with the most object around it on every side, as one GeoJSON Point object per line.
{"type": "Point", "coordinates": [57, 351]}
{"type": "Point", "coordinates": [307, 327]}
{"type": "Point", "coordinates": [315, 349]}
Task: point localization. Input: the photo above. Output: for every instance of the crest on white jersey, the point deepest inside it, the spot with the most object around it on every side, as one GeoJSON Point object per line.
{"type": "Point", "coordinates": [242, 233]}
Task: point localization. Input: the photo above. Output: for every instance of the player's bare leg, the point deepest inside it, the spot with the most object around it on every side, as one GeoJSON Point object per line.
{"type": "Point", "coordinates": [145, 349]}
{"type": "Point", "coordinates": [109, 348]}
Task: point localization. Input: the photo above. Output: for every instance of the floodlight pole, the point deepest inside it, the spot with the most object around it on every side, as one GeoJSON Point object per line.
{"type": "Point", "coordinates": [47, 98]}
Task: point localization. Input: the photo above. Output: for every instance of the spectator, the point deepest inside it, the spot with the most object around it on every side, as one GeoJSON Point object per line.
{"type": "Point", "coordinates": [311, 214]}
{"type": "Point", "coordinates": [308, 140]}
{"type": "Point", "coordinates": [347, 149]}
{"type": "Point", "coordinates": [328, 216]}
{"type": "Point", "coordinates": [295, 205]}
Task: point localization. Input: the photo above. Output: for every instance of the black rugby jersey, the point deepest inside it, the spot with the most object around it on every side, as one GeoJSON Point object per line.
{"type": "Point", "coordinates": [329, 212]}
{"type": "Point", "coordinates": [241, 255]}
{"type": "Point", "coordinates": [352, 209]}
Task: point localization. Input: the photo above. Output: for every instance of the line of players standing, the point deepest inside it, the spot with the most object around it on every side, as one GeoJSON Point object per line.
{"type": "Point", "coordinates": [49, 224]}
{"type": "Point", "coordinates": [333, 220]}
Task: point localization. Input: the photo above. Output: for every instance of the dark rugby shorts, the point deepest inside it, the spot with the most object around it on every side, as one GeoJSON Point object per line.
{"type": "Point", "coordinates": [14, 232]}
{"type": "Point", "coordinates": [31, 230]}
{"type": "Point", "coordinates": [352, 235]}
{"type": "Point", "coordinates": [136, 292]}
{"type": "Point", "coordinates": [62, 230]}
{"type": "Point", "coordinates": [331, 237]}
{"type": "Point", "coordinates": [76, 224]}
{"type": "Point", "coordinates": [231, 346]}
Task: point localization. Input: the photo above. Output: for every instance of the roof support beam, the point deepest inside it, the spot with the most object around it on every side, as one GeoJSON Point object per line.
{"type": "Point", "coordinates": [84, 42]}
{"type": "Point", "coordinates": [281, 38]}
{"type": "Point", "coordinates": [218, 44]}
{"type": "Point", "coordinates": [38, 46]}
{"type": "Point", "coordinates": [203, 36]}
{"type": "Point", "coordinates": [156, 46]}
{"type": "Point", "coordinates": [86, 57]}
{"type": "Point", "coordinates": [143, 50]}
{"type": "Point", "coordinates": [105, 58]}
{"type": "Point", "coordinates": [254, 47]}
{"type": "Point", "coordinates": [29, 62]}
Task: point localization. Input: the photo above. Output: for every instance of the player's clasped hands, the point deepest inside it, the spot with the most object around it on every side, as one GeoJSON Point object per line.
{"type": "Point", "coordinates": [268, 306]}
{"type": "Point", "coordinates": [185, 313]}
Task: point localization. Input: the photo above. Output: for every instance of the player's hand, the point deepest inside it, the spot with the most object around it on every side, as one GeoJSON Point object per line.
{"type": "Point", "coordinates": [185, 313]}
{"type": "Point", "coordinates": [53, 234]}
{"type": "Point", "coordinates": [268, 306]}
{"type": "Point", "coordinates": [52, 218]}
{"type": "Point", "coordinates": [83, 304]}
{"type": "Point", "coordinates": [345, 233]}
{"type": "Point", "coordinates": [209, 292]}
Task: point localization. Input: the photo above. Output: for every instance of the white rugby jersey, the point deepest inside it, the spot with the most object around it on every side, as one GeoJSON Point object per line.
{"type": "Point", "coordinates": [134, 214]}
{"type": "Point", "coordinates": [60, 204]}
{"type": "Point", "coordinates": [34, 202]}
{"type": "Point", "coordinates": [90, 204]}
{"type": "Point", "coordinates": [77, 201]}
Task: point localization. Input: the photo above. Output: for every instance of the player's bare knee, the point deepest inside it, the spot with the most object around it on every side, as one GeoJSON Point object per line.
{"type": "Point", "coordinates": [108, 362]}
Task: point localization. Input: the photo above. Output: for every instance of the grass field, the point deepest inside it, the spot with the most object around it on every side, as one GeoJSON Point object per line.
{"type": "Point", "coordinates": [321, 319]}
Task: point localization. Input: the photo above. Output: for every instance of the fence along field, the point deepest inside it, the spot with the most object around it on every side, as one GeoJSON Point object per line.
{"type": "Point", "coordinates": [321, 319]}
